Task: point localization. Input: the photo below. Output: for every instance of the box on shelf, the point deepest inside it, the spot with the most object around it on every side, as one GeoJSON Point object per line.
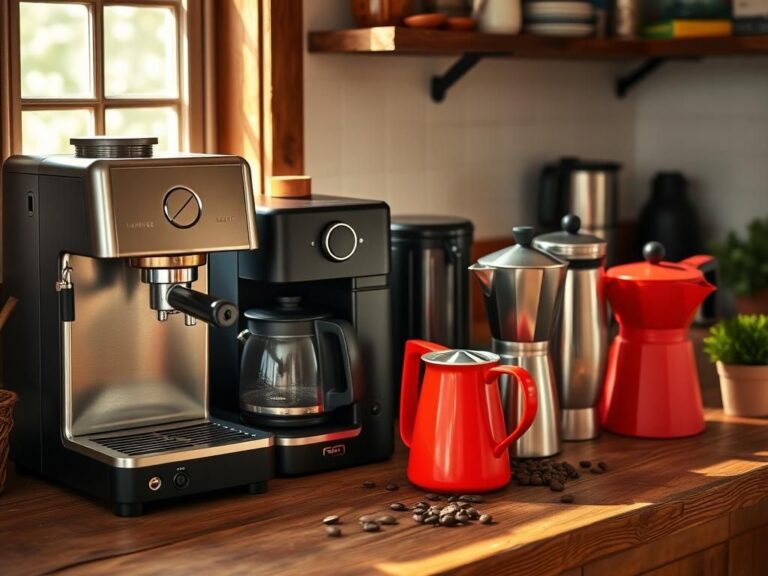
{"type": "Point", "coordinates": [688, 29]}
{"type": "Point", "coordinates": [750, 26]}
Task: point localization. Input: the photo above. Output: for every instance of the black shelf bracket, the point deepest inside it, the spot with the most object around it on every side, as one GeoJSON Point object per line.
{"type": "Point", "coordinates": [441, 84]}
{"type": "Point", "coordinates": [625, 83]}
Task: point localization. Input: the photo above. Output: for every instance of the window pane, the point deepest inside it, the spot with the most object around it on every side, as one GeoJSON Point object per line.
{"type": "Point", "coordinates": [160, 122]}
{"type": "Point", "coordinates": [55, 50]}
{"type": "Point", "coordinates": [140, 52]}
{"type": "Point", "coordinates": [49, 131]}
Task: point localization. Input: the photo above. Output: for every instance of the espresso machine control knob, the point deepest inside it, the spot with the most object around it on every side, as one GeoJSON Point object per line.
{"type": "Point", "coordinates": [339, 241]}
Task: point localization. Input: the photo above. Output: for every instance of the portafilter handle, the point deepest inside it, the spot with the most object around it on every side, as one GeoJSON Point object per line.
{"type": "Point", "coordinates": [220, 313]}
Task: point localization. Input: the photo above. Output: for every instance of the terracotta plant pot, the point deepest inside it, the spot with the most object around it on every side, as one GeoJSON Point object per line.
{"type": "Point", "coordinates": [744, 389]}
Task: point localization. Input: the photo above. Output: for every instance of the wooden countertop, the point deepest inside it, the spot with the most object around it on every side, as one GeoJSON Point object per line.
{"type": "Point", "coordinates": [652, 489]}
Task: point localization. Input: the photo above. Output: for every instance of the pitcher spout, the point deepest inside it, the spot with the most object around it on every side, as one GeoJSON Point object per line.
{"type": "Point", "coordinates": [484, 275]}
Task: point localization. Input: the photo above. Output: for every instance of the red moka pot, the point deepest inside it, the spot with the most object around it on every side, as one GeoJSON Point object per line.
{"type": "Point", "coordinates": [652, 384]}
{"type": "Point", "coordinates": [455, 425]}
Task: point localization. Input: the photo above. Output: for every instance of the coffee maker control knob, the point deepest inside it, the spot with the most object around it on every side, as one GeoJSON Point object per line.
{"type": "Point", "coordinates": [339, 241]}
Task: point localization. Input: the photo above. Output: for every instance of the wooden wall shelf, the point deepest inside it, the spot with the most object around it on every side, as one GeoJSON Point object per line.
{"type": "Point", "coordinates": [472, 46]}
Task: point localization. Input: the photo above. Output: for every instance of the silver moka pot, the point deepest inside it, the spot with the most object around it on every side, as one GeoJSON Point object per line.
{"type": "Point", "coordinates": [523, 291]}
{"type": "Point", "coordinates": [580, 341]}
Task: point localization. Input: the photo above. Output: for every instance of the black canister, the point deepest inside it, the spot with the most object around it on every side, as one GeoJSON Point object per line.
{"type": "Point", "coordinates": [430, 281]}
{"type": "Point", "coordinates": [670, 218]}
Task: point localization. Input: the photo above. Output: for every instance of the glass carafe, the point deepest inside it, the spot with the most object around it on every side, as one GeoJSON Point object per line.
{"type": "Point", "coordinates": [291, 373]}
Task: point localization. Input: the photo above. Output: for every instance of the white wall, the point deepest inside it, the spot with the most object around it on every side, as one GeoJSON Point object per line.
{"type": "Point", "coordinates": [709, 120]}
{"type": "Point", "coordinates": [372, 131]}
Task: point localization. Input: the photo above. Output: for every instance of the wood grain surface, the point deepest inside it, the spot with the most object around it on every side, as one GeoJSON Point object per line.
{"type": "Point", "coordinates": [653, 489]}
{"type": "Point", "coordinates": [390, 39]}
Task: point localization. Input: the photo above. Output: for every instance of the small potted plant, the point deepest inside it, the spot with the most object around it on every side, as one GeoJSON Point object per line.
{"type": "Point", "coordinates": [744, 267]}
{"type": "Point", "coordinates": [739, 348]}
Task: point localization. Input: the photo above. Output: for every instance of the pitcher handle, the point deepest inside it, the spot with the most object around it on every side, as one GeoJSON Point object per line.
{"type": "Point", "coordinates": [409, 387]}
{"type": "Point", "coordinates": [530, 401]}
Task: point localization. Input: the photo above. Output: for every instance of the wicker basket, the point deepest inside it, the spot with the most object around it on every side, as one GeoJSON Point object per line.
{"type": "Point", "coordinates": [7, 400]}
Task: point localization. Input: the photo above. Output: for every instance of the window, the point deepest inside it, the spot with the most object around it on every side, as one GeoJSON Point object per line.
{"type": "Point", "coordinates": [120, 68]}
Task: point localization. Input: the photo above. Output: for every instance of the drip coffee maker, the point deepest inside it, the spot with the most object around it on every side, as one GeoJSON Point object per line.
{"type": "Point", "coordinates": [105, 251]}
{"type": "Point", "coordinates": [315, 368]}
{"type": "Point", "coordinates": [523, 292]}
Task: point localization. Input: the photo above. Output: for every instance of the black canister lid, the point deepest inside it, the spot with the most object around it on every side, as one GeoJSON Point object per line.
{"type": "Point", "coordinates": [419, 227]}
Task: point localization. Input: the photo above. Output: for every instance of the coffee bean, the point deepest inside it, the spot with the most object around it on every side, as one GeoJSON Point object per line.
{"type": "Point", "coordinates": [524, 481]}
{"type": "Point", "coordinates": [453, 498]}
{"type": "Point", "coordinates": [474, 498]}
{"type": "Point", "coordinates": [398, 507]}
{"type": "Point", "coordinates": [567, 498]}
{"type": "Point", "coordinates": [422, 503]}
{"type": "Point", "coordinates": [462, 517]}
{"type": "Point", "coordinates": [463, 505]}
{"type": "Point", "coordinates": [433, 497]}
{"type": "Point", "coordinates": [536, 480]}
{"type": "Point", "coordinates": [386, 520]}
{"type": "Point", "coordinates": [556, 486]}
{"type": "Point", "coordinates": [333, 531]}
{"type": "Point", "coordinates": [369, 484]}
{"type": "Point", "coordinates": [602, 465]}
{"type": "Point", "coordinates": [574, 475]}
{"type": "Point", "coordinates": [431, 520]}
{"type": "Point", "coordinates": [473, 513]}
{"type": "Point", "coordinates": [596, 470]}
{"type": "Point", "coordinates": [585, 464]}
{"type": "Point", "coordinates": [486, 519]}
{"type": "Point", "coordinates": [448, 520]}
{"type": "Point", "coordinates": [392, 486]}
{"type": "Point", "coordinates": [371, 527]}
{"type": "Point", "coordinates": [450, 509]}
{"type": "Point", "coordinates": [331, 520]}
{"type": "Point", "coordinates": [366, 518]}
{"type": "Point", "coordinates": [418, 518]}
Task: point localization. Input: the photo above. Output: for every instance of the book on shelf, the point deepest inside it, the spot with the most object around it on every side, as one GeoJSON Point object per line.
{"type": "Point", "coordinates": [750, 26]}
{"type": "Point", "coordinates": [688, 29]}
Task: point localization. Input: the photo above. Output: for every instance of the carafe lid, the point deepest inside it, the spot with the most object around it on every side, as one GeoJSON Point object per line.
{"type": "Point", "coordinates": [569, 244]}
{"type": "Point", "coordinates": [461, 358]}
{"type": "Point", "coordinates": [288, 310]}
{"type": "Point", "coordinates": [522, 254]}
{"type": "Point", "coordinates": [655, 269]}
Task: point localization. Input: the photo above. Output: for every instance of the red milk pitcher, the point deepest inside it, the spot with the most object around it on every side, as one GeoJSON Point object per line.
{"type": "Point", "coordinates": [455, 425]}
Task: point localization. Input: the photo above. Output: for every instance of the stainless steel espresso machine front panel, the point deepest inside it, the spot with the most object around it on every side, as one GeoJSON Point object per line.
{"type": "Point", "coordinates": [108, 258]}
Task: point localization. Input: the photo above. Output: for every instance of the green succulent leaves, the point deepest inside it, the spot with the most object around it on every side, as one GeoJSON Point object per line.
{"type": "Point", "coordinates": [741, 340]}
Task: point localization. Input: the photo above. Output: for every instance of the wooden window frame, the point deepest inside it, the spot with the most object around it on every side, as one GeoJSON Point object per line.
{"type": "Point", "coordinates": [191, 103]}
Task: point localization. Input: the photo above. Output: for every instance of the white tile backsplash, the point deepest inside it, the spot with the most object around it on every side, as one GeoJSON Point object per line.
{"type": "Point", "coordinates": [373, 132]}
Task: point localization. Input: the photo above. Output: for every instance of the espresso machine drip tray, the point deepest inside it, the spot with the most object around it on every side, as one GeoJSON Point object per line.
{"type": "Point", "coordinates": [170, 443]}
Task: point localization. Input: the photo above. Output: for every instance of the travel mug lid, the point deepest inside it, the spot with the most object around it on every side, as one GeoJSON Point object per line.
{"type": "Point", "coordinates": [569, 244]}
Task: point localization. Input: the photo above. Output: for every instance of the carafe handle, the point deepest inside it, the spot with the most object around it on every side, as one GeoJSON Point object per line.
{"type": "Point", "coordinates": [409, 388]}
{"type": "Point", "coordinates": [350, 357]}
{"type": "Point", "coordinates": [530, 402]}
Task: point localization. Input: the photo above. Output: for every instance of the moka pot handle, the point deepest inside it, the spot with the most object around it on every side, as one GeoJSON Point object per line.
{"type": "Point", "coordinates": [409, 387]}
{"type": "Point", "coordinates": [530, 402]}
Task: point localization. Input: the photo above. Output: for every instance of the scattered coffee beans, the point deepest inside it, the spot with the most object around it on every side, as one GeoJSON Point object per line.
{"type": "Point", "coordinates": [447, 520]}
{"type": "Point", "coordinates": [486, 519]}
{"type": "Point", "coordinates": [333, 531]}
{"type": "Point", "coordinates": [556, 486]}
{"type": "Point", "coordinates": [392, 486]}
{"type": "Point", "coordinates": [473, 498]}
{"type": "Point", "coordinates": [369, 484]}
{"type": "Point", "coordinates": [398, 507]}
{"type": "Point", "coordinates": [585, 464]}
{"type": "Point", "coordinates": [602, 465]}
{"type": "Point", "coordinates": [386, 520]}
{"type": "Point", "coordinates": [419, 518]}
{"type": "Point", "coordinates": [371, 527]}
{"type": "Point", "coordinates": [433, 497]}
{"type": "Point", "coordinates": [596, 470]}
{"type": "Point", "coordinates": [567, 498]}
{"type": "Point", "coordinates": [367, 518]}
{"type": "Point", "coordinates": [331, 520]}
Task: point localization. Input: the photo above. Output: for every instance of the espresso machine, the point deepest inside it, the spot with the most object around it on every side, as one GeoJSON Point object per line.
{"type": "Point", "coordinates": [108, 346]}
{"type": "Point", "coordinates": [523, 293]}
{"type": "Point", "coordinates": [311, 360]}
